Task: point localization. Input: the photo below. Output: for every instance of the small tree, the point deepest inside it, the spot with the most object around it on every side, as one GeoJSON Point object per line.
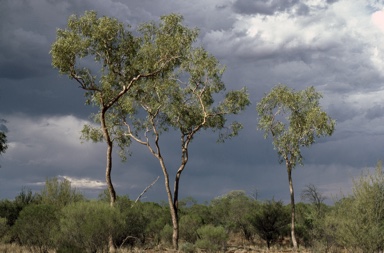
{"type": "Point", "coordinates": [271, 221]}
{"type": "Point", "coordinates": [294, 120]}
{"type": "Point", "coordinates": [312, 194]}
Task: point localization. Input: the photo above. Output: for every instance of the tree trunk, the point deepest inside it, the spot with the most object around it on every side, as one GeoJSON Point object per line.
{"type": "Point", "coordinates": [108, 169]}
{"type": "Point", "coordinates": [112, 193]}
{"type": "Point", "coordinates": [172, 207]}
{"type": "Point", "coordinates": [293, 237]}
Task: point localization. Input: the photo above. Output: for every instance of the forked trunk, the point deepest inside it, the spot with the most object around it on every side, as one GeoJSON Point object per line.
{"type": "Point", "coordinates": [293, 237]}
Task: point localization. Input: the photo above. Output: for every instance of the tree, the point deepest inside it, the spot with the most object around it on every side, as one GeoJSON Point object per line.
{"type": "Point", "coordinates": [271, 221]}
{"type": "Point", "coordinates": [294, 120]}
{"type": "Point", "coordinates": [183, 100]}
{"type": "Point", "coordinates": [312, 194]}
{"type": "Point", "coordinates": [123, 60]}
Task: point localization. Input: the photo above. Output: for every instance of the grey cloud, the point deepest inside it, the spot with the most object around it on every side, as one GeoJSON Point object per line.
{"type": "Point", "coordinates": [269, 7]}
{"type": "Point", "coordinates": [335, 61]}
{"type": "Point", "coordinates": [374, 112]}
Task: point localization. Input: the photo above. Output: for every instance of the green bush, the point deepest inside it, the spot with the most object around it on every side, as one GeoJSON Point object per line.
{"type": "Point", "coordinates": [188, 226]}
{"type": "Point", "coordinates": [88, 225]}
{"type": "Point", "coordinates": [188, 247]}
{"type": "Point", "coordinates": [36, 227]}
{"type": "Point", "coordinates": [166, 234]}
{"type": "Point", "coordinates": [156, 217]}
{"type": "Point", "coordinates": [133, 231]}
{"type": "Point", "coordinates": [212, 238]}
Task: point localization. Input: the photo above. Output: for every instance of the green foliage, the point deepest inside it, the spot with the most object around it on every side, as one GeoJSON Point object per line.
{"type": "Point", "coordinates": [357, 221]}
{"type": "Point", "coordinates": [188, 247]}
{"type": "Point", "coordinates": [166, 234]}
{"type": "Point", "coordinates": [36, 227]}
{"type": "Point", "coordinates": [59, 193]}
{"type": "Point", "coordinates": [294, 119]}
{"type": "Point", "coordinates": [192, 216]}
{"type": "Point", "coordinates": [189, 224]}
{"type": "Point", "coordinates": [4, 229]}
{"type": "Point", "coordinates": [133, 231]}
{"type": "Point", "coordinates": [226, 209]}
{"type": "Point", "coordinates": [156, 217]}
{"type": "Point", "coordinates": [88, 225]}
{"type": "Point", "coordinates": [271, 222]}
{"type": "Point", "coordinates": [10, 210]}
{"type": "Point", "coordinates": [212, 238]}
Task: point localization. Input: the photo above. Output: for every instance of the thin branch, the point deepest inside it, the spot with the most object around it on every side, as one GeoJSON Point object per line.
{"type": "Point", "coordinates": [146, 189]}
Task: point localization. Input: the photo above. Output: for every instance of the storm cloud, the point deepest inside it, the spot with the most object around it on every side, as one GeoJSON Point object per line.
{"type": "Point", "coordinates": [336, 46]}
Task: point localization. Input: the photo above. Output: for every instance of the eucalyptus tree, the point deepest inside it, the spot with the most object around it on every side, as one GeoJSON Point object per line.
{"type": "Point", "coordinates": [106, 59]}
{"type": "Point", "coordinates": [294, 120]}
{"type": "Point", "coordinates": [182, 100]}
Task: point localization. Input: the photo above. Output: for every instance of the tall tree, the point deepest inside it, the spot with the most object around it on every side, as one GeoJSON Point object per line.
{"type": "Point", "coordinates": [183, 100]}
{"type": "Point", "coordinates": [123, 60]}
{"type": "Point", "coordinates": [294, 120]}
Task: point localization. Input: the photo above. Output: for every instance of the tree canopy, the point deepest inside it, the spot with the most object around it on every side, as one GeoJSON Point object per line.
{"type": "Point", "coordinates": [90, 42]}
{"type": "Point", "coordinates": [294, 119]}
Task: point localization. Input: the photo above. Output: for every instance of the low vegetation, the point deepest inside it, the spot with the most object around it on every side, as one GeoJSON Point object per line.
{"type": "Point", "coordinates": [36, 223]}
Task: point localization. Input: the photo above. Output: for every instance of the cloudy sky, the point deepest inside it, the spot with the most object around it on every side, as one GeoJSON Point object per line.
{"type": "Point", "coordinates": [335, 45]}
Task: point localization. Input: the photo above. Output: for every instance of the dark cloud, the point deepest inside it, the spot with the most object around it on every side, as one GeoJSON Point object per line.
{"type": "Point", "coordinates": [269, 7]}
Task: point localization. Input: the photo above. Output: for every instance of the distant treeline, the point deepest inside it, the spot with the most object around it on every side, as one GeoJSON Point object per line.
{"type": "Point", "coordinates": [62, 219]}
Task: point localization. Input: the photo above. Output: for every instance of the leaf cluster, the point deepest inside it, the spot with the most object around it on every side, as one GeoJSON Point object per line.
{"type": "Point", "coordinates": [294, 120]}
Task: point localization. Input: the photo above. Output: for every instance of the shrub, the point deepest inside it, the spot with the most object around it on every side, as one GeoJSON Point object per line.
{"type": "Point", "coordinates": [212, 238]}
{"type": "Point", "coordinates": [36, 227]}
{"type": "Point", "coordinates": [88, 225]}
{"type": "Point", "coordinates": [271, 221]}
{"type": "Point", "coordinates": [189, 224]}
{"type": "Point", "coordinates": [188, 247]}
{"type": "Point", "coordinates": [166, 234]}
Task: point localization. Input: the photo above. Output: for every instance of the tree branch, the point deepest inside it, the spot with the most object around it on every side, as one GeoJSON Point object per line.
{"type": "Point", "coordinates": [146, 189]}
